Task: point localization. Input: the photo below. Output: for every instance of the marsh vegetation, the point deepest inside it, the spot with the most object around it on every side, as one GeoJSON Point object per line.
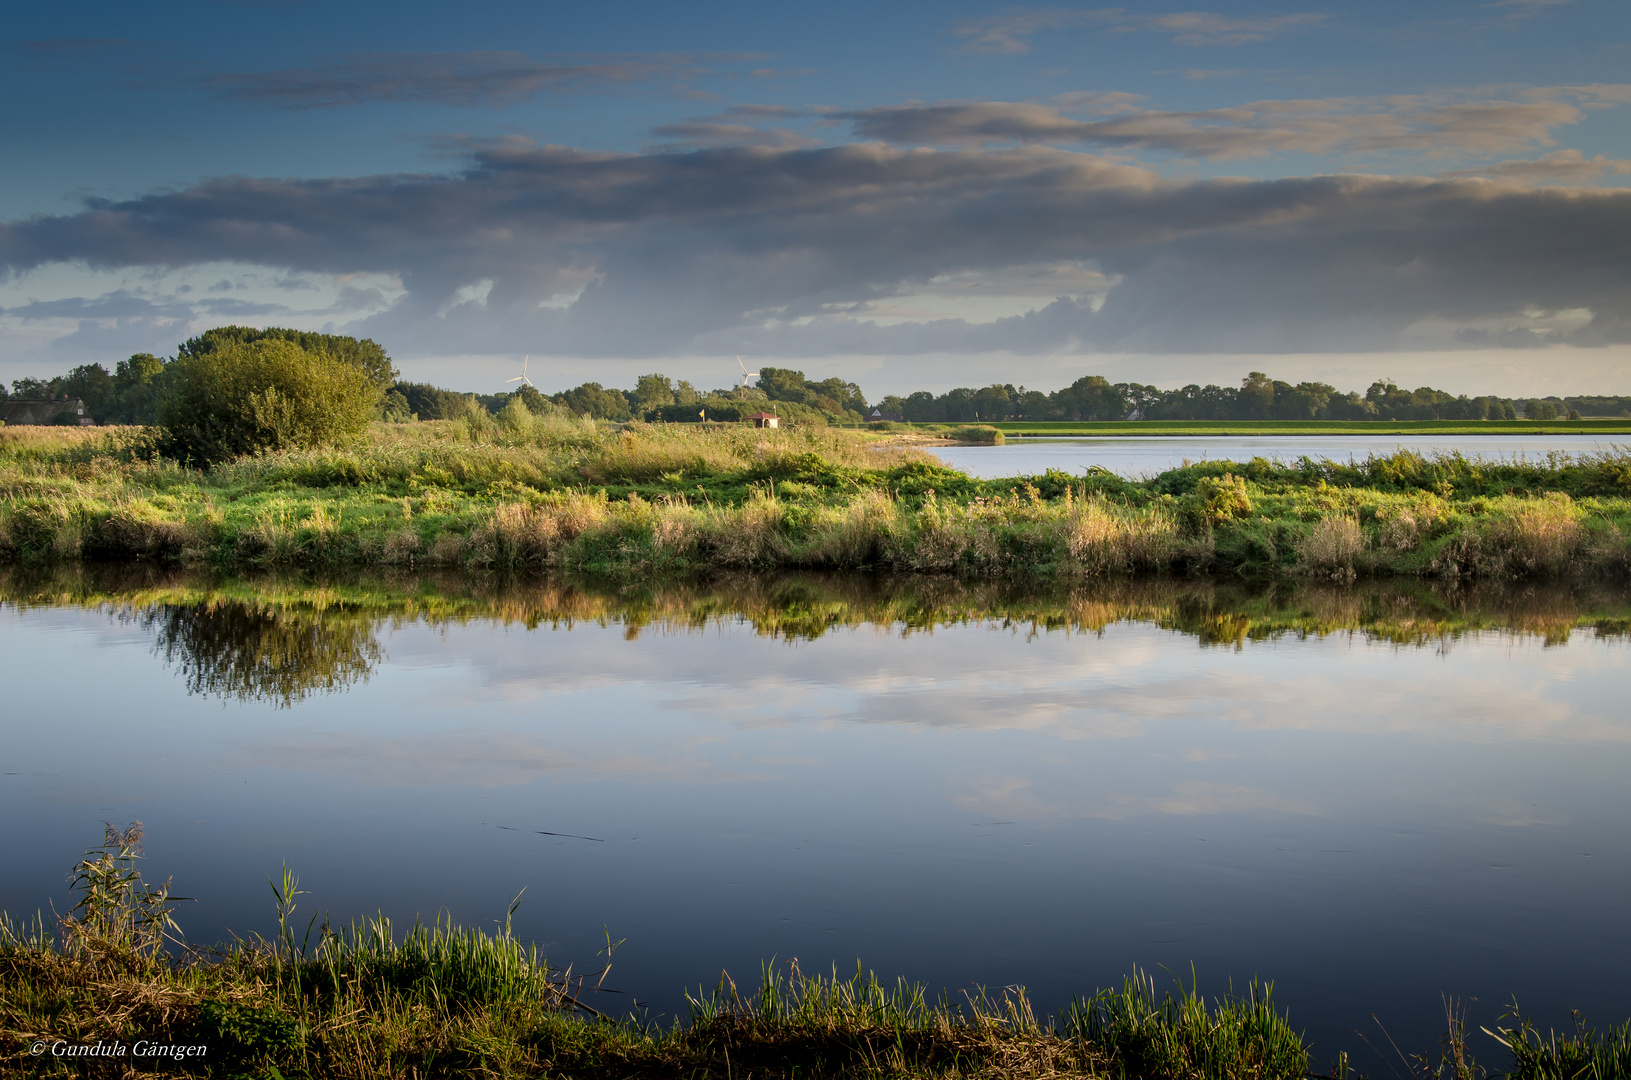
{"type": "Point", "coordinates": [520, 492]}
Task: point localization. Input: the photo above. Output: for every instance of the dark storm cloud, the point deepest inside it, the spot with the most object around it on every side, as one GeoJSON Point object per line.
{"type": "Point", "coordinates": [781, 251]}
{"type": "Point", "coordinates": [457, 78]}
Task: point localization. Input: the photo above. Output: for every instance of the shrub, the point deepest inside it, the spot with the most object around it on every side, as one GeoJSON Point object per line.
{"type": "Point", "coordinates": [1221, 498]}
{"type": "Point", "coordinates": [246, 398]}
{"type": "Point", "coordinates": [982, 434]}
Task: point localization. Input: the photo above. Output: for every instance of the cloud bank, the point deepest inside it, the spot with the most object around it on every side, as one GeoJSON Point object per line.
{"type": "Point", "coordinates": [1439, 125]}
{"type": "Point", "coordinates": [817, 251]}
{"type": "Point", "coordinates": [1009, 33]}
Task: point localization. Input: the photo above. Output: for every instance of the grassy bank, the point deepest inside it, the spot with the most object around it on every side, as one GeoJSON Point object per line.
{"type": "Point", "coordinates": [683, 499]}
{"type": "Point", "coordinates": [374, 1000]}
{"type": "Point", "coordinates": [1169, 428]}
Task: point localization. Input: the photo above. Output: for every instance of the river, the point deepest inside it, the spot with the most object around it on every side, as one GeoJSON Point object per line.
{"type": "Point", "coordinates": [1370, 796]}
{"type": "Point", "coordinates": [1138, 456]}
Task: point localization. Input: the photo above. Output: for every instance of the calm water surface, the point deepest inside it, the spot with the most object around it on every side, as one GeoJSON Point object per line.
{"type": "Point", "coordinates": [1142, 455]}
{"type": "Point", "coordinates": [1369, 799]}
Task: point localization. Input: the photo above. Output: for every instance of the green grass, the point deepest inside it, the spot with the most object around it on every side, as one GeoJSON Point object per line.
{"type": "Point", "coordinates": [634, 500]}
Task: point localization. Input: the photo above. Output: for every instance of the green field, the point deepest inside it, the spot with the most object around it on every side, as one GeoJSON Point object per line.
{"type": "Point", "coordinates": [1609, 426]}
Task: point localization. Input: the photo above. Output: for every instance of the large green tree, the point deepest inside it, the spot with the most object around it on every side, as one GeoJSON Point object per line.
{"type": "Point", "coordinates": [241, 397]}
{"type": "Point", "coordinates": [364, 353]}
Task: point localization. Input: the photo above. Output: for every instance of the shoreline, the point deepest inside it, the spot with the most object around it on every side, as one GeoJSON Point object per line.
{"type": "Point", "coordinates": [443, 1001]}
{"type": "Point", "coordinates": [646, 499]}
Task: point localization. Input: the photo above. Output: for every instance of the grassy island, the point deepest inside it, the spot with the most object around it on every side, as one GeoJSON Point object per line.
{"type": "Point", "coordinates": [637, 498]}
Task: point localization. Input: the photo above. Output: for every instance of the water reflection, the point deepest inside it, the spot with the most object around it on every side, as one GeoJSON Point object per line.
{"type": "Point", "coordinates": [281, 640]}
{"type": "Point", "coordinates": [1419, 788]}
{"type": "Point", "coordinates": [246, 651]}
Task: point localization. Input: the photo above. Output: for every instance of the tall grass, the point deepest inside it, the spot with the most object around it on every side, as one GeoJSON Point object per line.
{"type": "Point", "coordinates": [1583, 1054]}
{"type": "Point", "coordinates": [627, 500]}
{"type": "Point", "coordinates": [1235, 1038]}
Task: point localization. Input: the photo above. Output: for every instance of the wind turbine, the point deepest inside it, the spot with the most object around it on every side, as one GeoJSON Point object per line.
{"type": "Point", "coordinates": [746, 374]}
{"type": "Point", "coordinates": [523, 376]}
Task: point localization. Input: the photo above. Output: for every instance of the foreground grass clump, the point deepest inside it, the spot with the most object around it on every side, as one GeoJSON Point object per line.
{"type": "Point", "coordinates": [442, 1001]}
{"type": "Point", "coordinates": [564, 494]}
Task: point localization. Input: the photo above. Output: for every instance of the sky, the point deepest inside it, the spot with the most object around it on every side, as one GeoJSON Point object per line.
{"type": "Point", "coordinates": [910, 195]}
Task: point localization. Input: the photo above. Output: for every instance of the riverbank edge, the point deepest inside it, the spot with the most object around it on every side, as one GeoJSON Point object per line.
{"type": "Point", "coordinates": [1224, 529]}
{"type": "Point", "coordinates": [664, 500]}
{"type": "Point", "coordinates": [98, 994]}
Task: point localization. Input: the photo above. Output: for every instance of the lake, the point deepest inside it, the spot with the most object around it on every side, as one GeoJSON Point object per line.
{"type": "Point", "coordinates": [1370, 796]}
{"type": "Point", "coordinates": [1136, 456]}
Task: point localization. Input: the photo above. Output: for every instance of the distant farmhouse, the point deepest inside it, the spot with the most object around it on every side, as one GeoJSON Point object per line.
{"type": "Point", "coordinates": [878, 416]}
{"type": "Point", "coordinates": [62, 410]}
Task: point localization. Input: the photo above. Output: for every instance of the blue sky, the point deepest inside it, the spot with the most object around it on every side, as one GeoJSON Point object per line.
{"type": "Point", "coordinates": [912, 195]}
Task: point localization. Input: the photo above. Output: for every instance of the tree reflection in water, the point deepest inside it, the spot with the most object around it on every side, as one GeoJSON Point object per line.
{"type": "Point", "coordinates": [252, 652]}
{"type": "Point", "coordinates": [283, 640]}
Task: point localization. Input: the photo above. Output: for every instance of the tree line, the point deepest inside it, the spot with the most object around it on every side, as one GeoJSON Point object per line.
{"type": "Point", "coordinates": [136, 390]}
{"type": "Point", "coordinates": [1258, 397]}
{"type": "Point", "coordinates": [784, 392]}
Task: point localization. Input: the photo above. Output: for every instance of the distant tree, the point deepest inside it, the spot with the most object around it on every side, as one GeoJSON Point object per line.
{"type": "Point", "coordinates": [958, 405]}
{"type": "Point", "coordinates": [1090, 398]}
{"type": "Point", "coordinates": [92, 384]}
{"type": "Point", "coordinates": [241, 398]}
{"type": "Point", "coordinates": [1146, 399]}
{"type": "Point", "coordinates": [432, 402]}
{"type": "Point", "coordinates": [137, 384]}
{"type": "Point", "coordinates": [651, 393]}
{"type": "Point", "coordinates": [32, 388]}
{"type": "Point", "coordinates": [1305, 401]}
{"type": "Point", "coordinates": [394, 408]}
{"type": "Point", "coordinates": [836, 398]}
{"type": "Point", "coordinates": [535, 403]}
{"type": "Point", "coordinates": [596, 400]}
{"type": "Point", "coordinates": [923, 407]}
{"type": "Point", "coordinates": [1256, 397]}
{"type": "Point", "coordinates": [994, 403]}
{"type": "Point", "coordinates": [1032, 405]}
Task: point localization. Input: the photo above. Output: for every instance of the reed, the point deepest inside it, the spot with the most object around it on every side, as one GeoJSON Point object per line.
{"type": "Point", "coordinates": [1583, 1054]}
{"type": "Point", "coordinates": [629, 500]}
